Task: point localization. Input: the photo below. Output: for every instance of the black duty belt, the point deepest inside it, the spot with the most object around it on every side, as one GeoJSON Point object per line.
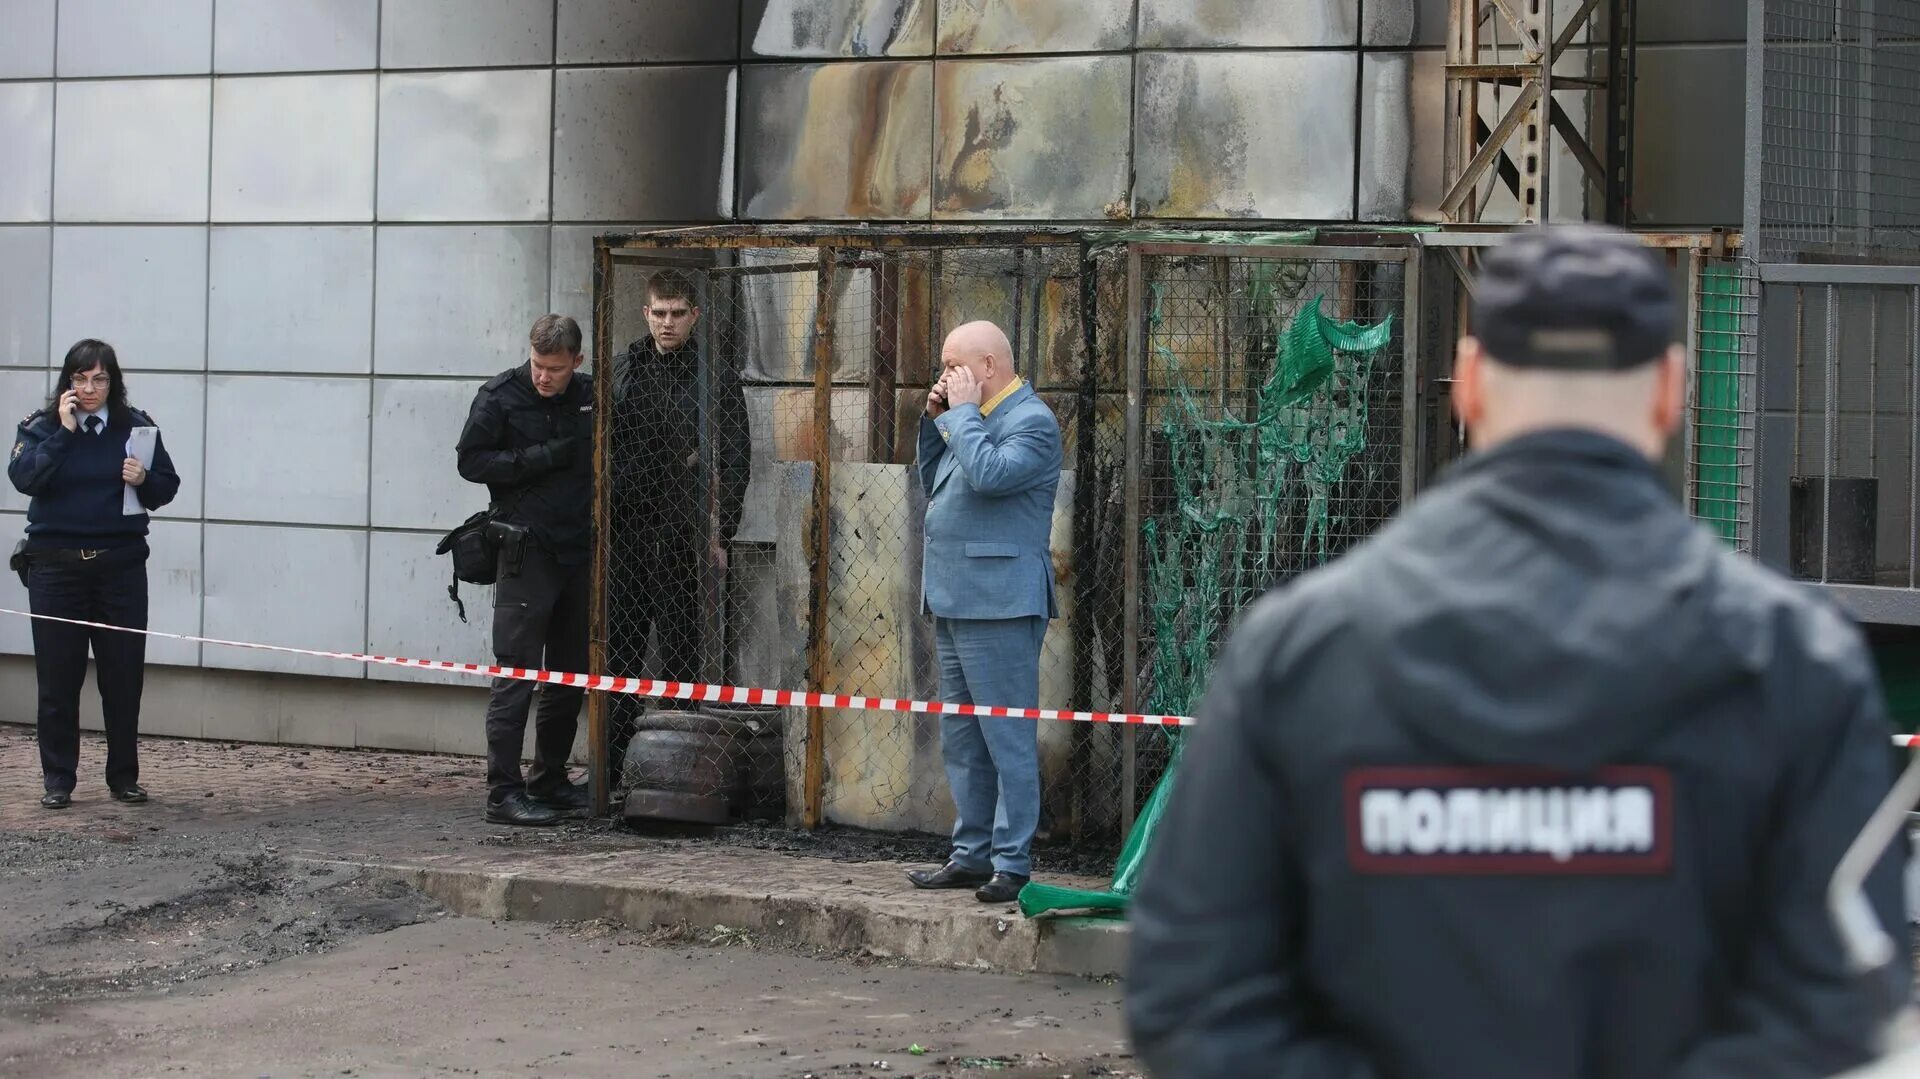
{"type": "Point", "coordinates": [72, 554]}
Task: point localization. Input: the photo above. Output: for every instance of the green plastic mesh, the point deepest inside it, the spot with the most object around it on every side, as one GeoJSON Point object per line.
{"type": "Point", "coordinates": [1217, 549]}
{"type": "Point", "coordinates": [1716, 498]}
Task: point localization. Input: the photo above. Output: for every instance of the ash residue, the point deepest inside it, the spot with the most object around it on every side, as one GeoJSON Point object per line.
{"type": "Point", "coordinates": [236, 911]}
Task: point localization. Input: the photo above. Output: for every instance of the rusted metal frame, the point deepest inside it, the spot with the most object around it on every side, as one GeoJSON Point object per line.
{"type": "Point", "coordinates": [1518, 75]}
{"type": "Point", "coordinates": [1913, 436]}
{"type": "Point", "coordinates": [1130, 578]}
{"type": "Point", "coordinates": [649, 257]}
{"type": "Point", "coordinates": [1293, 252]}
{"type": "Point", "coordinates": [1536, 173]}
{"type": "Point", "coordinates": [1084, 536]}
{"type": "Point", "coordinates": [1503, 166]}
{"type": "Point", "coordinates": [1577, 143]}
{"type": "Point", "coordinates": [1462, 97]}
{"type": "Point", "coordinates": [883, 397]}
{"type": "Point", "coordinates": [819, 656]}
{"type": "Point", "coordinates": [1463, 184]}
{"type": "Point", "coordinates": [900, 237]}
{"type": "Point", "coordinates": [781, 270]}
{"type": "Point", "coordinates": [1489, 234]}
{"type": "Point", "coordinates": [1623, 62]}
{"type": "Point", "coordinates": [1573, 28]}
{"type": "Point", "coordinates": [598, 781]}
{"type": "Point", "coordinates": [1412, 398]}
{"type": "Point", "coordinates": [712, 583]}
{"type": "Point", "coordinates": [1533, 42]}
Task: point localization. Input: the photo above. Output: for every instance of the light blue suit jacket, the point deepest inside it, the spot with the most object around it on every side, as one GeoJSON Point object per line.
{"type": "Point", "coordinates": [990, 487]}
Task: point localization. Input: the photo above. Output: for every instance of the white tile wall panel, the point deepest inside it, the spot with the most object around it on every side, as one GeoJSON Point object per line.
{"type": "Point", "coordinates": [409, 613]}
{"type": "Point", "coordinates": [324, 174]}
{"type": "Point", "coordinates": [26, 130]}
{"type": "Point", "coordinates": [26, 258]}
{"type": "Point", "coordinates": [131, 150]}
{"type": "Point", "coordinates": [465, 33]}
{"type": "Point", "coordinates": [466, 145]}
{"type": "Point", "coordinates": [415, 476]}
{"type": "Point", "coordinates": [135, 37]}
{"type": "Point", "coordinates": [301, 587]}
{"type": "Point", "coordinates": [291, 299]}
{"type": "Point", "coordinates": [456, 300]}
{"type": "Point", "coordinates": [141, 290]}
{"type": "Point", "coordinates": [178, 404]}
{"type": "Point", "coordinates": [285, 449]}
{"type": "Point", "coordinates": [296, 35]}
{"type": "Point", "coordinates": [26, 49]}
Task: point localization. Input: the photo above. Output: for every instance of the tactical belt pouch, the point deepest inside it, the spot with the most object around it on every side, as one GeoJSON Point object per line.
{"type": "Point", "coordinates": [18, 563]}
{"type": "Point", "coordinates": [476, 554]}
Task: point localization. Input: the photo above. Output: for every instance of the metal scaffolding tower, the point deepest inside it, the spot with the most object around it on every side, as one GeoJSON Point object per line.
{"type": "Point", "coordinates": [1513, 43]}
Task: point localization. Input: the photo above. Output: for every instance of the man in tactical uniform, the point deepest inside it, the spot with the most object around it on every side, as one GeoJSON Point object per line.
{"type": "Point", "coordinates": [1540, 780]}
{"type": "Point", "coordinates": [529, 438]}
{"type": "Point", "coordinates": [681, 458]}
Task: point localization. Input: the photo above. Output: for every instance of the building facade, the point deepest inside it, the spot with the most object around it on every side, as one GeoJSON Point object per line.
{"type": "Point", "coordinates": [311, 227]}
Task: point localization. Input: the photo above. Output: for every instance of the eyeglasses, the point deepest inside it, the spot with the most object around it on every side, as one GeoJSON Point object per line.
{"type": "Point", "coordinates": [95, 382]}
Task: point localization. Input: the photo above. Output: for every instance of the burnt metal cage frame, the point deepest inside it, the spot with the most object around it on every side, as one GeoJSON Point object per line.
{"type": "Point", "coordinates": [693, 247]}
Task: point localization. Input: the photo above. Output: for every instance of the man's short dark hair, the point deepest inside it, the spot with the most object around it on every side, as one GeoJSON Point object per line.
{"type": "Point", "coordinates": [671, 285]}
{"type": "Point", "coordinates": [555, 334]}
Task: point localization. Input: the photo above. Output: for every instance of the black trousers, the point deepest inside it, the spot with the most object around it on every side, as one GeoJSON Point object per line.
{"type": "Point", "coordinates": [539, 620]}
{"type": "Point", "coordinates": [655, 591]}
{"type": "Point", "coordinates": [111, 588]}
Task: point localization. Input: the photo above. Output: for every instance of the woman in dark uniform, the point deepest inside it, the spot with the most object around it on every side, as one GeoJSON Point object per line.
{"type": "Point", "coordinates": [87, 559]}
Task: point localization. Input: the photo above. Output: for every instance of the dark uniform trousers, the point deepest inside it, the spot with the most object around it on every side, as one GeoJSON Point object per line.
{"type": "Point", "coordinates": [539, 620]}
{"type": "Point", "coordinates": [656, 593]}
{"type": "Point", "coordinates": [111, 588]}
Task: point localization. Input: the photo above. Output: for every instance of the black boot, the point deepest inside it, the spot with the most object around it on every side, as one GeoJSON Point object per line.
{"type": "Point", "coordinates": [517, 808]}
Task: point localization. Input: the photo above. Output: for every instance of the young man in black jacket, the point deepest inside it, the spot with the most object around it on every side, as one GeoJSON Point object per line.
{"type": "Point", "coordinates": [1542, 779]}
{"type": "Point", "coordinates": [681, 456]}
{"type": "Point", "coordinates": [529, 438]}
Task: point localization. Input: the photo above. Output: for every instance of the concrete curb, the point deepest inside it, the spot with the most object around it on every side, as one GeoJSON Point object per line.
{"type": "Point", "coordinates": [926, 933]}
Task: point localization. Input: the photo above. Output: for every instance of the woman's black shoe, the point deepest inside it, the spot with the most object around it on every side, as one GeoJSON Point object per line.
{"type": "Point", "coordinates": [56, 800]}
{"type": "Point", "coordinates": [132, 794]}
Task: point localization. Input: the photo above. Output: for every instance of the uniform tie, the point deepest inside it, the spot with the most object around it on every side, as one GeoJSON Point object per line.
{"type": "Point", "coordinates": [93, 425]}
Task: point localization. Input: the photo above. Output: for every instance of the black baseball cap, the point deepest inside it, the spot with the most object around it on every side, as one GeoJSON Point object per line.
{"type": "Point", "coordinates": [1575, 298]}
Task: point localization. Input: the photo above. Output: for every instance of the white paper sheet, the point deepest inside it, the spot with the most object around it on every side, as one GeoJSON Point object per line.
{"type": "Point", "coordinates": [140, 443]}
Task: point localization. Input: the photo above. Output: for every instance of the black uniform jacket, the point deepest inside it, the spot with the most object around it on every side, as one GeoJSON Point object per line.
{"type": "Point", "coordinates": [1541, 780]}
{"type": "Point", "coordinates": [535, 454]}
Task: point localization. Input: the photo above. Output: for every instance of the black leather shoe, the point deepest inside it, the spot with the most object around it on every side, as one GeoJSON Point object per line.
{"type": "Point", "coordinates": [1003, 888]}
{"type": "Point", "coordinates": [517, 808]}
{"type": "Point", "coordinates": [56, 800]}
{"type": "Point", "coordinates": [951, 875]}
{"type": "Point", "coordinates": [132, 795]}
{"type": "Point", "coordinates": [569, 799]}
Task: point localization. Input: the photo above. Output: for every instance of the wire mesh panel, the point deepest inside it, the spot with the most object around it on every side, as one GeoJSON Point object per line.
{"type": "Point", "coordinates": [762, 518]}
{"type": "Point", "coordinates": [1855, 418]}
{"type": "Point", "coordinates": [1273, 437]}
{"type": "Point", "coordinates": [1724, 313]}
{"type": "Point", "coordinates": [1839, 134]}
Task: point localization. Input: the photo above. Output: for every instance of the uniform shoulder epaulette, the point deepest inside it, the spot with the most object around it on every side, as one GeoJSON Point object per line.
{"type": "Point", "coordinates": [32, 416]}
{"type": "Point", "coordinates": [144, 416]}
{"type": "Point", "coordinates": [501, 379]}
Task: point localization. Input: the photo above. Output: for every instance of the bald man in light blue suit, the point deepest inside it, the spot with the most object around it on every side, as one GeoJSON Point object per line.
{"type": "Point", "coordinates": [990, 459]}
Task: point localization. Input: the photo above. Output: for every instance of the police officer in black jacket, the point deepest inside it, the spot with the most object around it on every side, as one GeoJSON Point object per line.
{"type": "Point", "coordinates": [529, 438]}
{"type": "Point", "coordinates": [87, 559]}
{"type": "Point", "coordinates": [1542, 780]}
{"type": "Point", "coordinates": [681, 457]}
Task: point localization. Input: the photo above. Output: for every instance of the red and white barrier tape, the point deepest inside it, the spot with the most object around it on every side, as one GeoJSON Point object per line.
{"type": "Point", "coordinates": [648, 687]}
{"type": "Point", "coordinates": [693, 691]}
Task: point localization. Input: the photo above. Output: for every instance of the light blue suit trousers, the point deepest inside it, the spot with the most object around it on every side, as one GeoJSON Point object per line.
{"type": "Point", "coordinates": [993, 765]}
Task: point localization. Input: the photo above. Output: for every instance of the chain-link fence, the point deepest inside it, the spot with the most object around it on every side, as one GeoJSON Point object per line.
{"type": "Point", "coordinates": [1273, 436]}
{"type": "Point", "coordinates": [760, 515]}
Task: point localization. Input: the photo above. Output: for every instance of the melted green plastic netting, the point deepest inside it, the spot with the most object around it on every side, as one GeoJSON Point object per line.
{"type": "Point", "coordinates": [1232, 478]}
